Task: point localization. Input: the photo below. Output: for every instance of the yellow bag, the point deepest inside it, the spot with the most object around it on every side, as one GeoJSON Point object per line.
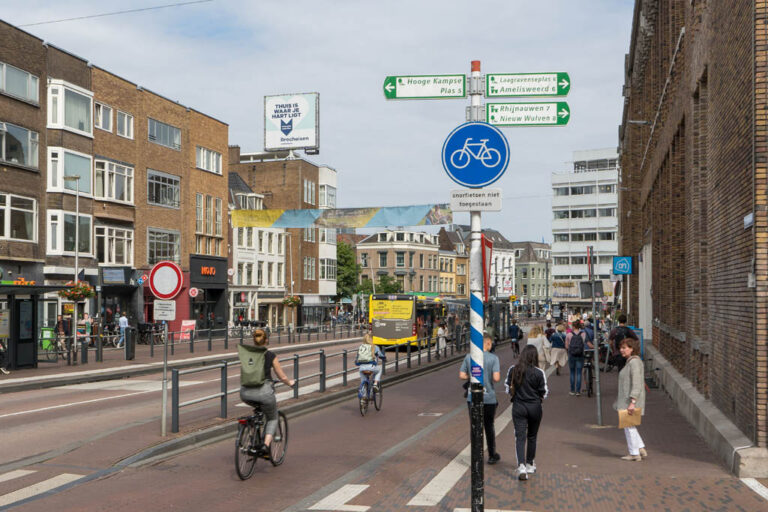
{"type": "Point", "coordinates": [630, 420]}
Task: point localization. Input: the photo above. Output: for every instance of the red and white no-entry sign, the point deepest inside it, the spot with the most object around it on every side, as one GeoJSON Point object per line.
{"type": "Point", "coordinates": [165, 280]}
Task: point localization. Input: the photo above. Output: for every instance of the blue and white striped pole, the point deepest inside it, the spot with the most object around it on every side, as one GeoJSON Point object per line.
{"type": "Point", "coordinates": [476, 318]}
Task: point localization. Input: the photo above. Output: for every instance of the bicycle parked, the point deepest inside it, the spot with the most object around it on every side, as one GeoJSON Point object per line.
{"type": "Point", "coordinates": [251, 434]}
{"type": "Point", "coordinates": [589, 371]}
{"type": "Point", "coordinates": [368, 392]}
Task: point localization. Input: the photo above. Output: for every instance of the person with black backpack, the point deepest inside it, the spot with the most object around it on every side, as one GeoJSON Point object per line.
{"type": "Point", "coordinates": [515, 336]}
{"type": "Point", "coordinates": [615, 336]}
{"type": "Point", "coordinates": [576, 343]}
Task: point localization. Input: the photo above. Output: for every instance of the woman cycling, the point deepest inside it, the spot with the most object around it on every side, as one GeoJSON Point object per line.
{"type": "Point", "coordinates": [263, 394]}
{"type": "Point", "coordinates": [367, 355]}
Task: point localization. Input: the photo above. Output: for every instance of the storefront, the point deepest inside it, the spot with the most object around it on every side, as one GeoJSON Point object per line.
{"type": "Point", "coordinates": [209, 275]}
{"type": "Point", "coordinates": [271, 308]}
{"type": "Point", "coordinates": [117, 294]}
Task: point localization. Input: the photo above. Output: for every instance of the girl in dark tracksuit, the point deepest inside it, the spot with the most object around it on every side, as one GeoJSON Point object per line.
{"type": "Point", "coordinates": [527, 385]}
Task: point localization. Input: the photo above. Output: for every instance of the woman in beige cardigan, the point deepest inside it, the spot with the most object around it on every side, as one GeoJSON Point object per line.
{"type": "Point", "coordinates": [632, 395]}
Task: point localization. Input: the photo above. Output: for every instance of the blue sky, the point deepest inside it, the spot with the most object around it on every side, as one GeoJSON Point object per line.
{"type": "Point", "coordinates": [222, 58]}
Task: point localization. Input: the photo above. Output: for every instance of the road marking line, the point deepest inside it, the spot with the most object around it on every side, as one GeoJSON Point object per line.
{"type": "Point", "coordinates": [756, 486]}
{"type": "Point", "coordinates": [15, 474]}
{"type": "Point", "coordinates": [61, 406]}
{"type": "Point", "coordinates": [487, 510]}
{"type": "Point", "coordinates": [38, 488]}
{"type": "Point", "coordinates": [337, 501]}
{"type": "Point", "coordinates": [127, 385]}
{"type": "Point", "coordinates": [433, 493]}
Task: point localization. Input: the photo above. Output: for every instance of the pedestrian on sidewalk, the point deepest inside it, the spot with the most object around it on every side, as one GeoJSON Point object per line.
{"type": "Point", "coordinates": [441, 333]}
{"type": "Point", "coordinates": [576, 343]}
{"type": "Point", "coordinates": [558, 356]}
{"type": "Point", "coordinates": [537, 339]}
{"type": "Point", "coordinates": [516, 336]}
{"type": "Point", "coordinates": [491, 375]}
{"type": "Point", "coordinates": [615, 337]}
{"type": "Point", "coordinates": [527, 387]}
{"type": "Point", "coordinates": [631, 396]}
{"type": "Point", "coordinates": [549, 331]}
{"type": "Point", "coordinates": [123, 324]}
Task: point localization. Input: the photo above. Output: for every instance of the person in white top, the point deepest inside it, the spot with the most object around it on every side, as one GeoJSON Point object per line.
{"type": "Point", "coordinates": [123, 324]}
{"type": "Point", "coordinates": [441, 333]}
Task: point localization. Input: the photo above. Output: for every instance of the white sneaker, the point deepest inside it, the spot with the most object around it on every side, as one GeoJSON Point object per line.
{"type": "Point", "coordinates": [531, 468]}
{"type": "Point", "coordinates": [521, 472]}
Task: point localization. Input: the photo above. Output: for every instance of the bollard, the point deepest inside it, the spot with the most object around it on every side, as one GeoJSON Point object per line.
{"type": "Point", "coordinates": [152, 343]}
{"type": "Point", "coordinates": [192, 340]}
{"type": "Point", "coordinates": [429, 351]}
{"type": "Point", "coordinates": [69, 352]}
{"type": "Point", "coordinates": [296, 375]}
{"type": "Point", "coordinates": [241, 334]}
{"type": "Point", "coordinates": [419, 348]}
{"type": "Point", "coordinates": [344, 368]}
{"type": "Point", "coordinates": [100, 348]}
{"type": "Point", "coordinates": [226, 338]}
{"type": "Point", "coordinates": [210, 339]}
{"type": "Point", "coordinates": [173, 347]}
{"type": "Point", "coordinates": [322, 370]}
{"type": "Point", "coordinates": [83, 352]}
{"type": "Point", "coordinates": [397, 357]}
{"type": "Point", "coordinates": [408, 352]}
{"type": "Point", "coordinates": [224, 390]}
{"type": "Point", "coordinates": [174, 401]}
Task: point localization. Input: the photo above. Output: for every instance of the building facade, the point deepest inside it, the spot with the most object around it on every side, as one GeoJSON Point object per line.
{"type": "Point", "coordinates": [411, 258]}
{"type": "Point", "coordinates": [584, 209]}
{"type": "Point", "coordinates": [533, 275]}
{"type": "Point", "coordinates": [502, 271]}
{"type": "Point", "coordinates": [695, 207]}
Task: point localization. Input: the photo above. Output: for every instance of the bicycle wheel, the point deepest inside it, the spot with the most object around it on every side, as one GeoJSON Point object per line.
{"type": "Point", "coordinates": [378, 397]}
{"type": "Point", "coordinates": [491, 158]}
{"type": "Point", "coordinates": [245, 461]}
{"type": "Point", "coordinates": [279, 441]}
{"type": "Point", "coordinates": [590, 377]}
{"type": "Point", "coordinates": [49, 347]}
{"type": "Point", "coordinates": [363, 397]}
{"type": "Point", "coordinates": [460, 158]}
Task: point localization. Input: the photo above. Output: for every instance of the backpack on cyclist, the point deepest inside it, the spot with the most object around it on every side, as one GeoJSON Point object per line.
{"type": "Point", "coordinates": [364, 354]}
{"type": "Point", "coordinates": [252, 371]}
{"type": "Point", "coordinates": [576, 347]}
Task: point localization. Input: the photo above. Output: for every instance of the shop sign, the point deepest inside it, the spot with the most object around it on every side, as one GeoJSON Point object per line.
{"type": "Point", "coordinates": [187, 326]}
{"type": "Point", "coordinates": [207, 270]}
{"type": "Point", "coordinates": [20, 281]}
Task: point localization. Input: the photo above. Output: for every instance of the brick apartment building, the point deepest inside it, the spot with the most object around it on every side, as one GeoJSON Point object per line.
{"type": "Point", "coordinates": [694, 212]}
{"type": "Point", "coordinates": [294, 184]}
{"type": "Point", "coordinates": [151, 184]}
{"type": "Point", "coordinates": [411, 258]}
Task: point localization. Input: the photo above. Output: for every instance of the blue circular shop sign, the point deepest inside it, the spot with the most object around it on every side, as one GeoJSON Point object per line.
{"type": "Point", "coordinates": [475, 154]}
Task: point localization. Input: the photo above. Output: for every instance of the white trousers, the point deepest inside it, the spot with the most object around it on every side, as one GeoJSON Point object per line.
{"type": "Point", "coordinates": [634, 441]}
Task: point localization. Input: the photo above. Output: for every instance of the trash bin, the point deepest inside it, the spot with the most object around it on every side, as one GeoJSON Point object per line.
{"type": "Point", "coordinates": [131, 334]}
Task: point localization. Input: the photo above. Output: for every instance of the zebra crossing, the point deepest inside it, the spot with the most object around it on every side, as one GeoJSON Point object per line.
{"type": "Point", "coordinates": [32, 484]}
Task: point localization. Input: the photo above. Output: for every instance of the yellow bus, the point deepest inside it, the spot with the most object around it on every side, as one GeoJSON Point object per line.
{"type": "Point", "coordinates": [401, 318]}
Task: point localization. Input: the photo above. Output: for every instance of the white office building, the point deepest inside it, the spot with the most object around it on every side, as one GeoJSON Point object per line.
{"type": "Point", "coordinates": [584, 213]}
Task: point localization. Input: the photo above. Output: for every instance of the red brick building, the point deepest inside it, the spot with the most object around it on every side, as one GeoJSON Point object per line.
{"type": "Point", "coordinates": [694, 212]}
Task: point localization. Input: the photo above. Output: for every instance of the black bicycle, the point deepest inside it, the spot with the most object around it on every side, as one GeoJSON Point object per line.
{"type": "Point", "coordinates": [368, 392]}
{"type": "Point", "coordinates": [250, 436]}
{"type": "Point", "coordinates": [589, 371]}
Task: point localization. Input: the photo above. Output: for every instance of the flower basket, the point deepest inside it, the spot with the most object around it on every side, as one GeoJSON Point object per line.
{"type": "Point", "coordinates": [292, 300]}
{"type": "Point", "coordinates": [77, 291]}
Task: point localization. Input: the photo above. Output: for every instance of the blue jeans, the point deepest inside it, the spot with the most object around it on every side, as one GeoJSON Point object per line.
{"type": "Point", "coordinates": [121, 341]}
{"type": "Point", "coordinates": [576, 365]}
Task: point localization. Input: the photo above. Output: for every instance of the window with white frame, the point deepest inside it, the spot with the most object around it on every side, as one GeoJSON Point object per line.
{"type": "Point", "coordinates": [102, 116]}
{"type": "Point", "coordinates": [309, 192]}
{"type": "Point", "coordinates": [163, 245]}
{"type": "Point", "coordinates": [164, 134]}
{"type": "Point", "coordinates": [328, 269]}
{"type": "Point", "coordinates": [163, 189]}
{"type": "Point", "coordinates": [310, 268]}
{"type": "Point", "coordinates": [208, 160]}
{"type": "Point", "coordinates": [18, 145]}
{"type": "Point", "coordinates": [199, 217]}
{"type": "Point", "coordinates": [217, 219]}
{"type": "Point", "coordinates": [260, 274]}
{"type": "Point", "coordinates": [65, 162]}
{"type": "Point", "coordinates": [270, 239]}
{"type": "Point", "coordinates": [248, 237]}
{"type": "Point", "coordinates": [114, 246]}
{"type": "Point", "coordinates": [240, 273]}
{"type": "Point", "coordinates": [124, 124]}
{"type": "Point", "coordinates": [209, 214]}
{"type": "Point", "coordinates": [240, 241]}
{"type": "Point", "coordinates": [70, 107]}
{"type": "Point", "coordinates": [310, 234]}
{"type": "Point", "coordinates": [270, 274]}
{"type": "Point", "coordinates": [62, 234]}
{"type": "Point", "coordinates": [327, 235]}
{"type": "Point", "coordinates": [18, 218]}
{"type": "Point", "coordinates": [364, 260]}
{"type": "Point", "coordinates": [279, 274]}
{"type": "Point", "coordinates": [113, 181]}
{"type": "Point", "coordinates": [327, 196]}
{"type": "Point", "coordinates": [280, 242]}
{"type": "Point", "coordinates": [19, 83]}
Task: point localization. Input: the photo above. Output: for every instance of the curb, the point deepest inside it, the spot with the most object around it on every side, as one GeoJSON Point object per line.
{"type": "Point", "coordinates": [98, 375]}
{"type": "Point", "coordinates": [221, 432]}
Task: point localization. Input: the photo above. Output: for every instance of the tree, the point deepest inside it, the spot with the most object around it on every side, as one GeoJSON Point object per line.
{"type": "Point", "coordinates": [385, 284]}
{"type": "Point", "coordinates": [347, 270]}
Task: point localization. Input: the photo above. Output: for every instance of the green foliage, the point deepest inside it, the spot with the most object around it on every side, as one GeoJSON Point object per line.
{"type": "Point", "coordinates": [385, 284]}
{"type": "Point", "coordinates": [347, 270]}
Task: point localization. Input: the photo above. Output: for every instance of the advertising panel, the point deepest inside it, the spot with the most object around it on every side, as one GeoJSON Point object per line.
{"type": "Point", "coordinates": [292, 121]}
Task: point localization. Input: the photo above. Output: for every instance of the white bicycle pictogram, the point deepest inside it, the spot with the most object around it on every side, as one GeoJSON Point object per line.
{"type": "Point", "coordinates": [489, 157]}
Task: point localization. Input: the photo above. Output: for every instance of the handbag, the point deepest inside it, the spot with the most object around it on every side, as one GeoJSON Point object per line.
{"type": "Point", "coordinates": [630, 420]}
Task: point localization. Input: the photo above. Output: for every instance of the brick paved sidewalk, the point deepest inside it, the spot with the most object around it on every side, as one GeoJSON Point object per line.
{"type": "Point", "coordinates": [579, 465]}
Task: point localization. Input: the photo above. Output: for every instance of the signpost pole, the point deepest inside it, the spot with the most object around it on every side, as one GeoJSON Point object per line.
{"type": "Point", "coordinates": [164, 412]}
{"type": "Point", "coordinates": [476, 323]}
{"type": "Point", "coordinates": [596, 340]}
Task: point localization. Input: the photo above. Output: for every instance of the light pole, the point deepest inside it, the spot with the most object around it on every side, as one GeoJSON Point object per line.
{"type": "Point", "coordinates": [290, 257]}
{"type": "Point", "coordinates": [76, 179]}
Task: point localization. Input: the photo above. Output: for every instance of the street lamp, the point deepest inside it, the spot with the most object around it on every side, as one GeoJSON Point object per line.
{"type": "Point", "coordinates": [76, 179]}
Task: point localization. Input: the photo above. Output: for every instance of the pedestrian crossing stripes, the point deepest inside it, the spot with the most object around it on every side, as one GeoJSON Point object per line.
{"type": "Point", "coordinates": [34, 489]}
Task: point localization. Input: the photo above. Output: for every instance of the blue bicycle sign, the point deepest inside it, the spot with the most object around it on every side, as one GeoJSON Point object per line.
{"type": "Point", "coordinates": [475, 155]}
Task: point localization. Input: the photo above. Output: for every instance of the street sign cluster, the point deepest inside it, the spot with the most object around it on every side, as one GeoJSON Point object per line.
{"type": "Point", "coordinates": [497, 85]}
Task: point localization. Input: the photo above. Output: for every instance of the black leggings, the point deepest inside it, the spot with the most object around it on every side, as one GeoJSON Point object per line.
{"type": "Point", "coordinates": [527, 418]}
{"type": "Point", "coordinates": [489, 416]}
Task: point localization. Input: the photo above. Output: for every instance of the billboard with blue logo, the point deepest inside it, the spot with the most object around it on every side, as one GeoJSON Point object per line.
{"type": "Point", "coordinates": [291, 121]}
{"type": "Point", "coordinates": [622, 265]}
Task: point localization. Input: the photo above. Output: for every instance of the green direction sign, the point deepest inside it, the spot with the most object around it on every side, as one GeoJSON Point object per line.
{"type": "Point", "coordinates": [527, 84]}
{"type": "Point", "coordinates": [528, 114]}
{"type": "Point", "coordinates": [421, 87]}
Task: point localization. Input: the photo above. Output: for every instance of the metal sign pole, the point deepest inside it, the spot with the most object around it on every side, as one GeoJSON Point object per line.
{"type": "Point", "coordinates": [596, 339]}
{"type": "Point", "coordinates": [476, 322]}
{"type": "Point", "coordinates": [163, 414]}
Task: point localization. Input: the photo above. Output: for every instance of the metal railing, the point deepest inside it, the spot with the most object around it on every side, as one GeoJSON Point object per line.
{"type": "Point", "coordinates": [420, 351]}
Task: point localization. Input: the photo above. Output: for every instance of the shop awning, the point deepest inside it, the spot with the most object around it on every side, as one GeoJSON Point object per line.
{"type": "Point", "coordinates": [29, 289]}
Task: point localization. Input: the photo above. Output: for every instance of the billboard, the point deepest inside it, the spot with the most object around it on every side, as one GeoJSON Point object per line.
{"type": "Point", "coordinates": [292, 121]}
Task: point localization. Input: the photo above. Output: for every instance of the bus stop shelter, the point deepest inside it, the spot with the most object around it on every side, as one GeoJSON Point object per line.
{"type": "Point", "coordinates": [19, 322]}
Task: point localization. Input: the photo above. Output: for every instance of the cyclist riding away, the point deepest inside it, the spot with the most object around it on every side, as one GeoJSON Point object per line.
{"type": "Point", "coordinates": [257, 387]}
{"type": "Point", "coordinates": [366, 360]}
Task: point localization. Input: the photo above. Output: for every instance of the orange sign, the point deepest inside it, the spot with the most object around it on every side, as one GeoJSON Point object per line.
{"type": "Point", "coordinates": [208, 271]}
